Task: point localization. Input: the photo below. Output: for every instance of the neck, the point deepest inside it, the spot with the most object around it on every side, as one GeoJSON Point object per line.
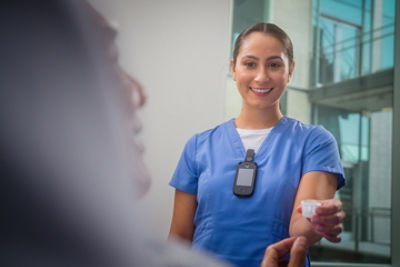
{"type": "Point", "coordinates": [253, 118]}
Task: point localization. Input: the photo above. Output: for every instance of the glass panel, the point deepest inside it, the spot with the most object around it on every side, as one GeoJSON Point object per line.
{"type": "Point", "coordinates": [388, 34]}
{"type": "Point", "coordinates": [347, 10]}
{"type": "Point", "coordinates": [246, 13]}
{"type": "Point", "coordinates": [355, 38]}
{"type": "Point", "coordinates": [349, 47]}
{"type": "Point", "coordinates": [327, 50]}
{"type": "Point", "coordinates": [339, 51]}
{"type": "Point", "coordinates": [347, 52]}
{"type": "Point", "coordinates": [365, 142]}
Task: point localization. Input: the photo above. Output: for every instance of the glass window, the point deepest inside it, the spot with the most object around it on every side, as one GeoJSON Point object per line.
{"type": "Point", "coordinates": [246, 13]}
{"type": "Point", "coordinates": [387, 34]}
{"type": "Point", "coordinates": [354, 38]}
{"type": "Point", "coordinates": [346, 10]}
{"type": "Point", "coordinates": [365, 141]}
{"type": "Point", "coordinates": [339, 50]}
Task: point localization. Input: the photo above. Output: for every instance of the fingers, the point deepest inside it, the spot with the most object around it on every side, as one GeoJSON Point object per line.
{"type": "Point", "coordinates": [332, 219]}
{"type": "Point", "coordinates": [329, 227]}
{"type": "Point", "coordinates": [297, 246]}
{"type": "Point", "coordinates": [333, 231]}
{"type": "Point", "coordinates": [298, 252]}
{"type": "Point", "coordinates": [328, 218]}
{"type": "Point", "coordinates": [275, 251]}
{"type": "Point", "coordinates": [330, 233]}
{"type": "Point", "coordinates": [333, 239]}
{"type": "Point", "coordinates": [271, 258]}
{"type": "Point", "coordinates": [329, 206]}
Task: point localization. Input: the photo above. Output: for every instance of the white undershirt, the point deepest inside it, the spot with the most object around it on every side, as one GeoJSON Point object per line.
{"type": "Point", "coordinates": [252, 139]}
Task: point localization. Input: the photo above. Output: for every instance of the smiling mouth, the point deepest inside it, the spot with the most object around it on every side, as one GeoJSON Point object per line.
{"type": "Point", "coordinates": [260, 90]}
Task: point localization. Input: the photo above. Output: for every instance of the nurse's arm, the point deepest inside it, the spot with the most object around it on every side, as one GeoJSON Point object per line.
{"type": "Point", "coordinates": [327, 222]}
{"type": "Point", "coordinates": [182, 225]}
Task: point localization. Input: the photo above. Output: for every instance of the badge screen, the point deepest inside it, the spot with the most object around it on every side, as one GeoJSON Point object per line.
{"type": "Point", "coordinates": [245, 177]}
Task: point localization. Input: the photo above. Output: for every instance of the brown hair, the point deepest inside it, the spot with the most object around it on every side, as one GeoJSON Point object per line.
{"type": "Point", "coordinates": [267, 28]}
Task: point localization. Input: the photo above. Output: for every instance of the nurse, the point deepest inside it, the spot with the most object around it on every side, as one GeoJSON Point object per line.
{"type": "Point", "coordinates": [294, 161]}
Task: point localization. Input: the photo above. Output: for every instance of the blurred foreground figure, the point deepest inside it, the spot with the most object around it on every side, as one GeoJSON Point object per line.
{"type": "Point", "coordinates": [69, 179]}
{"type": "Point", "coordinates": [68, 176]}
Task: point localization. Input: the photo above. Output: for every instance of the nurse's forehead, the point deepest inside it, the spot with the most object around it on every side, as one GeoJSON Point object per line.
{"type": "Point", "coordinates": [261, 44]}
{"type": "Point", "coordinates": [260, 39]}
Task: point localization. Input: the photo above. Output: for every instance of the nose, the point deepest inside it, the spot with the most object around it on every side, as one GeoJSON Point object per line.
{"type": "Point", "coordinates": [262, 75]}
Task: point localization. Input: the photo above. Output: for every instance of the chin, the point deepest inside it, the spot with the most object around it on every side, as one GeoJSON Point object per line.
{"type": "Point", "coordinates": [266, 106]}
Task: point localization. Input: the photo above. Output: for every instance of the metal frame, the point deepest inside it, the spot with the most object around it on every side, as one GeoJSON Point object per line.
{"type": "Point", "coordinates": [395, 229]}
{"type": "Point", "coordinates": [351, 94]}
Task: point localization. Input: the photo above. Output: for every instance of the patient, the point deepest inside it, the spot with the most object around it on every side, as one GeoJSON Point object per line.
{"type": "Point", "coordinates": [68, 182]}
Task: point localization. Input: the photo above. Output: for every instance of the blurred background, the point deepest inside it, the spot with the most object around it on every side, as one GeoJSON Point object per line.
{"type": "Point", "coordinates": [345, 79]}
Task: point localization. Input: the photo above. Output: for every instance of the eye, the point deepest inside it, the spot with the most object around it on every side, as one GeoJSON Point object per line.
{"type": "Point", "coordinates": [275, 65]}
{"type": "Point", "coordinates": [250, 64]}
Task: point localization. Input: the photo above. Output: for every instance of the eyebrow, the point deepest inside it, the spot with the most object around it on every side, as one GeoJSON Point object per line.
{"type": "Point", "coordinates": [270, 58]}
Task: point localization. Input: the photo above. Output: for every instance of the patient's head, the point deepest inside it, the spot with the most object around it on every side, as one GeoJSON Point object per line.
{"type": "Point", "coordinates": [132, 92]}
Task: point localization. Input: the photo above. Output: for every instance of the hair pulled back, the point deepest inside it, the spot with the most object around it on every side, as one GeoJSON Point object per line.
{"type": "Point", "coordinates": [270, 29]}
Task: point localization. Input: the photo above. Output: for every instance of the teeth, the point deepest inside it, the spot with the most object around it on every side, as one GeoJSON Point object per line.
{"type": "Point", "coordinates": [261, 90]}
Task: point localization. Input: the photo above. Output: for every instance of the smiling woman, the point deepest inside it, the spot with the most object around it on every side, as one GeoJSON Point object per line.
{"type": "Point", "coordinates": [261, 71]}
{"type": "Point", "coordinates": [294, 162]}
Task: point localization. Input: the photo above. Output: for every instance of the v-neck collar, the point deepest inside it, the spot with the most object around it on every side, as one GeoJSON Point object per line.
{"type": "Point", "coordinates": [237, 142]}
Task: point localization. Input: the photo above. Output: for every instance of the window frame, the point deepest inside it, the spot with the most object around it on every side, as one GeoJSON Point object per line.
{"type": "Point", "coordinates": [395, 201]}
{"type": "Point", "coordinates": [395, 230]}
{"type": "Point", "coordinates": [395, 176]}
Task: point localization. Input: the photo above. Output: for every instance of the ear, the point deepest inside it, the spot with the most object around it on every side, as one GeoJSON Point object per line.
{"type": "Point", "coordinates": [233, 70]}
{"type": "Point", "coordinates": [291, 69]}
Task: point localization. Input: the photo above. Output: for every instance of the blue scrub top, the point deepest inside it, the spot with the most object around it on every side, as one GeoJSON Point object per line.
{"type": "Point", "coordinates": [239, 229]}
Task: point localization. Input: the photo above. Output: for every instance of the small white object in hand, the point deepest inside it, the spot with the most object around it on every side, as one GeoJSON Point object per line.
{"type": "Point", "coordinates": [308, 207]}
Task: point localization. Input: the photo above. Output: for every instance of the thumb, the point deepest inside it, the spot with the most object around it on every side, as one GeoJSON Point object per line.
{"type": "Point", "coordinates": [298, 252]}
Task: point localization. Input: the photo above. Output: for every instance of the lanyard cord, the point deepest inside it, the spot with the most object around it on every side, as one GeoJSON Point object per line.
{"type": "Point", "coordinates": [250, 155]}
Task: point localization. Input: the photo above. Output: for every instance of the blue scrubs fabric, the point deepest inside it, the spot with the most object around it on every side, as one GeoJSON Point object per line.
{"type": "Point", "coordinates": [239, 229]}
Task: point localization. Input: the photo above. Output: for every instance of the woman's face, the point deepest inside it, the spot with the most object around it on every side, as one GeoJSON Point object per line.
{"type": "Point", "coordinates": [261, 71]}
{"type": "Point", "coordinates": [133, 94]}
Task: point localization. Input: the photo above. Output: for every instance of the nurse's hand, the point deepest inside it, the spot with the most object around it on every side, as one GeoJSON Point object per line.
{"type": "Point", "coordinates": [328, 218]}
{"type": "Point", "coordinates": [297, 246]}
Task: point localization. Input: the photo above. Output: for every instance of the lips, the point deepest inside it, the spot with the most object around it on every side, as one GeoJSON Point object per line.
{"type": "Point", "coordinates": [260, 91]}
